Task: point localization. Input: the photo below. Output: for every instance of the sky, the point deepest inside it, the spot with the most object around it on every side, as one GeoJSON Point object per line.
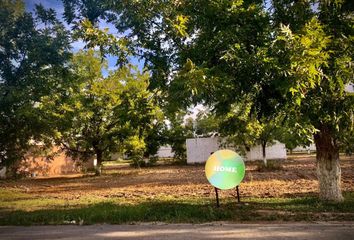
{"type": "Point", "coordinates": [78, 45]}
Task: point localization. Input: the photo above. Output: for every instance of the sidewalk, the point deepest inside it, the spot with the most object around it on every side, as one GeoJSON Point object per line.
{"type": "Point", "coordinates": [312, 231]}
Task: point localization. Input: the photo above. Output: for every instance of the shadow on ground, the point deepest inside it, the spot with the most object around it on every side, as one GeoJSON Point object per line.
{"type": "Point", "coordinates": [196, 211]}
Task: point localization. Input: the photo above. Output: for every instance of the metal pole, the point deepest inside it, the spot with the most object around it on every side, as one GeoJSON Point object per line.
{"type": "Point", "coordinates": [217, 197]}
{"type": "Point", "coordinates": [238, 194]}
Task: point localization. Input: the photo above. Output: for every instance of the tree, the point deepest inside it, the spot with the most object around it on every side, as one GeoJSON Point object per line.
{"type": "Point", "coordinates": [240, 57]}
{"type": "Point", "coordinates": [300, 70]}
{"type": "Point", "coordinates": [33, 57]}
{"type": "Point", "coordinates": [98, 116]}
{"type": "Point", "coordinates": [321, 102]}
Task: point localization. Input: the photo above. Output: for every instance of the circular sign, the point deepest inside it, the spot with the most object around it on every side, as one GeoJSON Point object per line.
{"type": "Point", "coordinates": [225, 169]}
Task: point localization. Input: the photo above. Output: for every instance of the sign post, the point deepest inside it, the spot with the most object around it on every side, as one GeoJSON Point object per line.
{"type": "Point", "coordinates": [224, 170]}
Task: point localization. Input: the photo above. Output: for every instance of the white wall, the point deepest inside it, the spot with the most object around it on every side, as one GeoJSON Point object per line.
{"type": "Point", "coordinates": [165, 152]}
{"type": "Point", "coordinates": [275, 151]}
{"type": "Point", "coordinates": [349, 88]}
{"type": "Point", "coordinates": [199, 150]}
{"type": "Point", "coordinates": [3, 173]}
{"type": "Point", "coordinates": [312, 147]}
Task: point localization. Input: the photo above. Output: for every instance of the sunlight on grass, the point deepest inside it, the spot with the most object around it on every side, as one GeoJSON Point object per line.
{"type": "Point", "coordinates": [18, 208]}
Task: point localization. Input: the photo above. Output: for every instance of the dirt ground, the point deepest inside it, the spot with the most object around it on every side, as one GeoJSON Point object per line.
{"type": "Point", "coordinates": [296, 178]}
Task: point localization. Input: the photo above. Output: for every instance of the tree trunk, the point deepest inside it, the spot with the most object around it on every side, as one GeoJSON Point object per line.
{"type": "Point", "coordinates": [328, 168]}
{"type": "Point", "coordinates": [98, 168]}
{"type": "Point", "coordinates": [264, 144]}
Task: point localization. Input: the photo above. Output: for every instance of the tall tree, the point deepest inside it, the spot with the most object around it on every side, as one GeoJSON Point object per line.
{"type": "Point", "coordinates": [317, 81]}
{"type": "Point", "coordinates": [99, 116]}
{"type": "Point", "coordinates": [34, 51]}
{"type": "Point", "coordinates": [300, 70]}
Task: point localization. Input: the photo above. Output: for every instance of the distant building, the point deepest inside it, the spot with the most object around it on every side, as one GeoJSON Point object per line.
{"type": "Point", "coordinates": [199, 150]}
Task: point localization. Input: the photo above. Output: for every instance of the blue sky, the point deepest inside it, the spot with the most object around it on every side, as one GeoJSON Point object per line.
{"type": "Point", "coordinates": [59, 8]}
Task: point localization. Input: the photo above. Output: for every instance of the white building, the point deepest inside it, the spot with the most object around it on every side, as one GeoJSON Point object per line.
{"type": "Point", "coordinates": [199, 150]}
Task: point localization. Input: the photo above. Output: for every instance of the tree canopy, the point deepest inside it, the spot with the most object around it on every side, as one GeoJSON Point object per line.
{"type": "Point", "coordinates": [34, 51]}
{"type": "Point", "coordinates": [98, 116]}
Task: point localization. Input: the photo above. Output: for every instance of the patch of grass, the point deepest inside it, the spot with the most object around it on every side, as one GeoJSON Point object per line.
{"type": "Point", "coordinates": [306, 204]}
{"type": "Point", "coordinates": [22, 209]}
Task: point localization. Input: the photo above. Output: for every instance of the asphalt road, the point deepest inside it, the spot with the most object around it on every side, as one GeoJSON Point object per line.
{"type": "Point", "coordinates": [312, 231]}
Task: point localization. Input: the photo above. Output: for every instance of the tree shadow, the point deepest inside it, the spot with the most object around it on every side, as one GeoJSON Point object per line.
{"type": "Point", "coordinates": [179, 211]}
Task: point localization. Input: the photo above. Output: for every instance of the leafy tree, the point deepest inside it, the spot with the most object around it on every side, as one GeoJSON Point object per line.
{"type": "Point", "coordinates": [98, 116]}
{"type": "Point", "coordinates": [34, 50]}
{"type": "Point", "coordinates": [317, 78]}
{"type": "Point", "coordinates": [300, 70]}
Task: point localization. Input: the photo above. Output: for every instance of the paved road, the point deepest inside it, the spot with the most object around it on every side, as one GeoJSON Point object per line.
{"type": "Point", "coordinates": [312, 231]}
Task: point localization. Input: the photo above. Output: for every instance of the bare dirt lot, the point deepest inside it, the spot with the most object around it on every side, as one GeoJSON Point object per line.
{"type": "Point", "coordinates": [296, 178]}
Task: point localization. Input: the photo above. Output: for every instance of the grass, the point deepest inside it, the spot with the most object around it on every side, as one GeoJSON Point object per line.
{"type": "Point", "coordinates": [18, 208]}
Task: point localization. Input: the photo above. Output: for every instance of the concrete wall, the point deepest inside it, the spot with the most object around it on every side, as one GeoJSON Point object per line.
{"type": "Point", "coordinates": [199, 150]}
{"type": "Point", "coordinates": [349, 88]}
{"type": "Point", "coordinates": [276, 151]}
{"type": "Point", "coordinates": [312, 148]}
{"type": "Point", "coordinates": [2, 172]}
{"type": "Point", "coordinates": [165, 152]}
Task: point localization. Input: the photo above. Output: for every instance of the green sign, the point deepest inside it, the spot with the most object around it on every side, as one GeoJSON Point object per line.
{"type": "Point", "coordinates": [225, 169]}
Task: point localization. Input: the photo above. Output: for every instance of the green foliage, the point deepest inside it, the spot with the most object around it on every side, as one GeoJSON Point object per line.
{"type": "Point", "coordinates": [90, 9]}
{"type": "Point", "coordinates": [177, 134]}
{"type": "Point", "coordinates": [135, 149]}
{"type": "Point", "coordinates": [33, 58]}
{"type": "Point", "coordinates": [319, 73]}
{"type": "Point", "coordinates": [307, 56]}
{"type": "Point", "coordinates": [108, 43]}
{"type": "Point", "coordinates": [206, 124]}
{"type": "Point", "coordinates": [156, 136]}
{"type": "Point", "coordinates": [99, 116]}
